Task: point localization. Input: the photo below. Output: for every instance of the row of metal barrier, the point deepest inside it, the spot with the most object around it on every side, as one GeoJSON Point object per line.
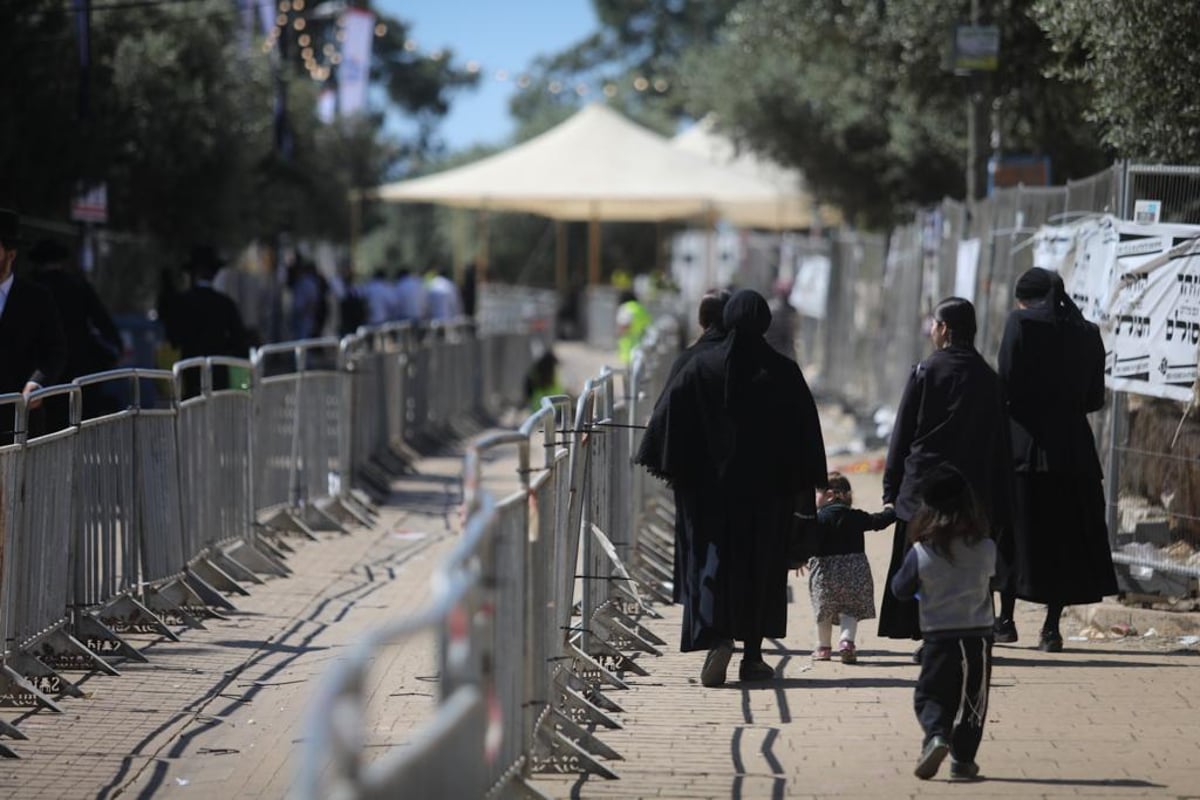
{"type": "Point", "coordinates": [535, 612]}
{"type": "Point", "coordinates": [146, 517]}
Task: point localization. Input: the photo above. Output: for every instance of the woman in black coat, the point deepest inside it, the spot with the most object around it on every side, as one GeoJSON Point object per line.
{"type": "Point", "coordinates": [952, 412]}
{"type": "Point", "coordinates": [737, 435]}
{"type": "Point", "coordinates": [1052, 367]}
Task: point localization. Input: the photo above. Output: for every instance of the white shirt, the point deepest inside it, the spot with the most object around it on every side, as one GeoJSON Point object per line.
{"type": "Point", "coordinates": [5, 288]}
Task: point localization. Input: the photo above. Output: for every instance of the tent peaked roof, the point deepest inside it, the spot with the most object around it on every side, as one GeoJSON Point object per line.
{"type": "Point", "coordinates": [595, 165]}
{"type": "Point", "coordinates": [792, 206]}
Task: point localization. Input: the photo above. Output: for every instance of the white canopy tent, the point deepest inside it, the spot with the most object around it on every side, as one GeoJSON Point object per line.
{"type": "Point", "coordinates": [792, 206]}
{"type": "Point", "coordinates": [598, 166]}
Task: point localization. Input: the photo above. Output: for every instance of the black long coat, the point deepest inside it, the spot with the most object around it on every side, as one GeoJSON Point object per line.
{"type": "Point", "coordinates": [738, 437]}
{"type": "Point", "coordinates": [1053, 375]}
{"type": "Point", "coordinates": [32, 344]}
{"type": "Point", "coordinates": [952, 412]}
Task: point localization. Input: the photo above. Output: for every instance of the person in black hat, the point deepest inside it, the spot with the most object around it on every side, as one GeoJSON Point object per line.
{"type": "Point", "coordinates": [203, 321]}
{"type": "Point", "coordinates": [93, 342]}
{"type": "Point", "coordinates": [34, 349]}
{"type": "Point", "coordinates": [1051, 363]}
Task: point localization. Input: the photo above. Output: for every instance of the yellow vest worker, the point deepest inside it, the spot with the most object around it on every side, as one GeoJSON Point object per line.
{"type": "Point", "coordinates": [632, 321]}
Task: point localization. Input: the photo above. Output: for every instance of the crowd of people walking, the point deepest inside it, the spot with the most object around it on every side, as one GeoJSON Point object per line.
{"type": "Point", "coordinates": [991, 480]}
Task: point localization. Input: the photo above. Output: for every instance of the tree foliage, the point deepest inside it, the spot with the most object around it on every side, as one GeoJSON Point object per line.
{"type": "Point", "coordinates": [858, 95]}
{"type": "Point", "coordinates": [1139, 63]}
{"type": "Point", "coordinates": [181, 121]}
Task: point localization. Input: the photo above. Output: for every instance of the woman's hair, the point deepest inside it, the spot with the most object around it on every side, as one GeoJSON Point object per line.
{"type": "Point", "coordinates": [839, 485]}
{"type": "Point", "coordinates": [959, 316]}
{"type": "Point", "coordinates": [712, 309]}
{"type": "Point", "coordinates": [948, 511]}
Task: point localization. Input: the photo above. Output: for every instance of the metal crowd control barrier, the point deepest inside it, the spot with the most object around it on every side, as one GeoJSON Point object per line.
{"type": "Point", "coordinates": [216, 475]}
{"type": "Point", "coordinates": [145, 517]}
{"type": "Point", "coordinates": [600, 472]}
{"type": "Point", "coordinates": [299, 446]}
{"type": "Point", "coordinates": [512, 618]}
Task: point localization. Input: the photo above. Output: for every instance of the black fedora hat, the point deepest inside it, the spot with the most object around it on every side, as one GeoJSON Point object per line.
{"type": "Point", "coordinates": [10, 228]}
{"type": "Point", "coordinates": [204, 258]}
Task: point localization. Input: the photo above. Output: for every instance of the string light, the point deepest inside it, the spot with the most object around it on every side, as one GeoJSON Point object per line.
{"type": "Point", "coordinates": [298, 5]}
{"type": "Point", "coordinates": [640, 83]}
{"type": "Point", "coordinates": [299, 23]}
{"type": "Point", "coordinates": [380, 30]}
{"type": "Point", "coordinates": [555, 87]}
{"type": "Point", "coordinates": [304, 40]}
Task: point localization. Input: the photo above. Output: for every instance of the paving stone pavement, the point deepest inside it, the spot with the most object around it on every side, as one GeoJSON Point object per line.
{"type": "Point", "coordinates": [1102, 719]}
{"type": "Point", "coordinates": [221, 712]}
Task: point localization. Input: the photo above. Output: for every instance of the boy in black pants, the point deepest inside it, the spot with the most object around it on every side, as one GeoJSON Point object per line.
{"type": "Point", "coordinates": [949, 569]}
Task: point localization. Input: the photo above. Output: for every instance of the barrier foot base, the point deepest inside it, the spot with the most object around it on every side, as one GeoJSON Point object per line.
{"type": "Point", "coordinates": [259, 557]}
{"type": "Point", "coordinates": [103, 641]}
{"type": "Point", "coordinates": [555, 753]}
{"type": "Point", "coordinates": [234, 568]}
{"type": "Point", "coordinates": [176, 603]}
{"type": "Point", "coordinates": [581, 736]}
{"type": "Point", "coordinates": [521, 789]}
{"type": "Point", "coordinates": [214, 576]}
{"type": "Point", "coordinates": [591, 671]}
{"type": "Point", "coordinates": [365, 502]}
{"type": "Point", "coordinates": [16, 691]}
{"type": "Point", "coordinates": [209, 595]}
{"type": "Point", "coordinates": [11, 731]}
{"type": "Point", "coordinates": [569, 680]}
{"type": "Point", "coordinates": [288, 522]}
{"type": "Point", "coordinates": [343, 510]}
{"type": "Point", "coordinates": [318, 519]}
{"type": "Point", "coordinates": [41, 675]}
{"type": "Point", "coordinates": [8, 752]}
{"type": "Point", "coordinates": [60, 650]}
{"type": "Point", "coordinates": [127, 614]}
{"type": "Point", "coordinates": [645, 639]}
{"type": "Point", "coordinates": [614, 659]}
{"type": "Point", "coordinates": [581, 710]}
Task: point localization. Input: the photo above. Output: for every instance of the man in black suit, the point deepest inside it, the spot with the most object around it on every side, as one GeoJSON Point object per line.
{"type": "Point", "coordinates": [33, 349]}
{"type": "Point", "coordinates": [203, 321]}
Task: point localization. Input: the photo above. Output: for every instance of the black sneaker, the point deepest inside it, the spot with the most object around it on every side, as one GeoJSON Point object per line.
{"type": "Point", "coordinates": [713, 673]}
{"type": "Point", "coordinates": [932, 755]}
{"type": "Point", "coordinates": [963, 770]}
{"type": "Point", "coordinates": [1004, 631]}
{"type": "Point", "coordinates": [1050, 642]}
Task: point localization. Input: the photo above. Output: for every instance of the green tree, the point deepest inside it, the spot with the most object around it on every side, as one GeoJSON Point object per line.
{"type": "Point", "coordinates": [1138, 63]}
{"type": "Point", "coordinates": [858, 96]}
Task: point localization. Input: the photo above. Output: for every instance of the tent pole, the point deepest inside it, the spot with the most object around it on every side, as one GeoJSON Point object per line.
{"type": "Point", "coordinates": [594, 248]}
{"type": "Point", "coordinates": [481, 254]}
{"type": "Point", "coordinates": [710, 247]}
{"type": "Point", "coordinates": [560, 256]}
{"type": "Point", "coordinates": [355, 226]}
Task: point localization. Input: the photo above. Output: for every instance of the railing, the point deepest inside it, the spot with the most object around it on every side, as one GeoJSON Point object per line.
{"type": "Point", "coordinates": [535, 611]}
{"type": "Point", "coordinates": [141, 519]}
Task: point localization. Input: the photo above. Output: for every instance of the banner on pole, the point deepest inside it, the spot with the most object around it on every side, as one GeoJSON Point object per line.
{"type": "Point", "coordinates": [810, 291]}
{"type": "Point", "coordinates": [355, 70]}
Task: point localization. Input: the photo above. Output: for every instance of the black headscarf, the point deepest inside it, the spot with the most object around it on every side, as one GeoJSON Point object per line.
{"type": "Point", "coordinates": [1039, 284]}
{"type": "Point", "coordinates": [737, 415]}
{"type": "Point", "coordinates": [747, 317]}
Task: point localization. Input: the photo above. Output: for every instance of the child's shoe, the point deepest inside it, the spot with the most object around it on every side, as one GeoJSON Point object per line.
{"type": "Point", "coordinates": [823, 653]}
{"type": "Point", "coordinates": [847, 652]}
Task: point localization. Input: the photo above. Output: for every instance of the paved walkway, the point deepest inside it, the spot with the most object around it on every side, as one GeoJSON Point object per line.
{"type": "Point", "coordinates": [221, 713]}
{"type": "Point", "coordinates": [1102, 719]}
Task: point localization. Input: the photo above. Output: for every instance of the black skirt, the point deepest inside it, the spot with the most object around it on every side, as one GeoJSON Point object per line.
{"type": "Point", "coordinates": [898, 619]}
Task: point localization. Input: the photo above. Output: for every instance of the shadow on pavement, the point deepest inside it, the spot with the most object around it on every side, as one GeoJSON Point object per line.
{"type": "Point", "coordinates": [1130, 783]}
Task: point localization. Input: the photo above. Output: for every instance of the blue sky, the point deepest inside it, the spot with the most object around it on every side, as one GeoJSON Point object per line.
{"type": "Point", "coordinates": [498, 35]}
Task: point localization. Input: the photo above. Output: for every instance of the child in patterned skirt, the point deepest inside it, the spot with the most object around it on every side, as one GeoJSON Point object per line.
{"type": "Point", "coordinates": [840, 583]}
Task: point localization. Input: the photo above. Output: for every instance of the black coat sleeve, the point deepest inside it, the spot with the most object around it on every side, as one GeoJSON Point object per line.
{"type": "Point", "coordinates": [50, 345]}
{"type": "Point", "coordinates": [903, 433]}
{"type": "Point", "coordinates": [1095, 389]}
{"type": "Point", "coordinates": [873, 522]}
